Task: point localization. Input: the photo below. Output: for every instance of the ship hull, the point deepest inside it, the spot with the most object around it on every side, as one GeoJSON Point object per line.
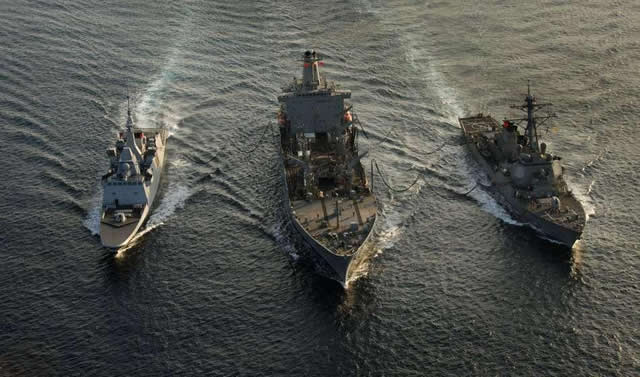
{"type": "Point", "coordinates": [340, 268]}
{"type": "Point", "coordinates": [115, 237]}
{"type": "Point", "coordinates": [506, 198]}
{"type": "Point", "coordinates": [546, 229]}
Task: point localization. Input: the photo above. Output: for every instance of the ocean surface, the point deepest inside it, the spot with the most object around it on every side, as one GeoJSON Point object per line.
{"type": "Point", "coordinates": [215, 285]}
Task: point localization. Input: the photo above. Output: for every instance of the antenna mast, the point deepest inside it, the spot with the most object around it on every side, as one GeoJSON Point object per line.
{"type": "Point", "coordinates": [530, 106]}
{"type": "Point", "coordinates": [129, 120]}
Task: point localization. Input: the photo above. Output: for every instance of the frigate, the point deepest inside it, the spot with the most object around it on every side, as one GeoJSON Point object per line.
{"type": "Point", "coordinates": [524, 178]}
{"type": "Point", "coordinates": [131, 183]}
{"type": "Point", "coordinates": [327, 196]}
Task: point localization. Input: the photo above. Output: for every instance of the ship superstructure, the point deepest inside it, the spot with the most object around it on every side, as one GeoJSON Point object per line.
{"type": "Point", "coordinates": [131, 183]}
{"type": "Point", "coordinates": [526, 179]}
{"type": "Point", "coordinates": [327, 195]}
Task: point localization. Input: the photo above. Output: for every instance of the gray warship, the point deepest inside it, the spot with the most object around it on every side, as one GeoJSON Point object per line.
{"type": "Point", "coordinates": [525, 179]}
{"type": "Point", "coordinates": [131, 183]}
{"type": "Point", "coordinates": [326, 193]}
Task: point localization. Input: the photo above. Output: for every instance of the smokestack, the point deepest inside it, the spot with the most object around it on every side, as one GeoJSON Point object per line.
{"type": "Point", "coordinates": [310, 71]}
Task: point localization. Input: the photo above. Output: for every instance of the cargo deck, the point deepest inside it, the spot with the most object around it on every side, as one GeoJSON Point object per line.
{"type": "Point", "coordinates": [340, 224]}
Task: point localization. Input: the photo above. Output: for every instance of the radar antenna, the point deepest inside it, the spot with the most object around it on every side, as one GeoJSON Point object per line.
{"type": "Point", "coordinates": [530, 106]}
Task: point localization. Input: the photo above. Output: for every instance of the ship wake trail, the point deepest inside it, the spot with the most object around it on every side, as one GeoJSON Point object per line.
{"type": "Point", "coordinates": [421, 60]}
{"type": "Point", "coordinates": [281, 234]}
{"type": "Point", "coordinates": [434, 84]}
{"type": "Point", "coordinates": [173, 200]}
{"type": "Point", "coordinates": [433, 79]}
{"type": "Point", "coordinates": [397, 210]}
{"type": "Point", "coordinates": [177, 193]}
{"type": "Point", "coordinates": [394, 215]}
{"type": "Point", "coordinates": [158, 105]}
{"type": "Point", "coordinates": [391, 224]}
{"type": "Point", "coordinates": [92, 221]}
{"type": "Point", "coordinates": [488, 204]}
{"type": "Point", "coordinates": [155, 108]}
{"type": "Point", "coordinates": [584, 196]}
{"type": "Point", "coordinates": [392, 221]}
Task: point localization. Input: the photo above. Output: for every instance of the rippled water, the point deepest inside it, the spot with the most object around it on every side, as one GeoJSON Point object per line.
{"type": "Point", "coordinates": [216, 286]}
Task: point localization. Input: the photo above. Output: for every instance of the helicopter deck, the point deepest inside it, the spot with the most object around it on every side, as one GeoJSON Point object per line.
{"type": "Point", "coordinates": [478, 124]}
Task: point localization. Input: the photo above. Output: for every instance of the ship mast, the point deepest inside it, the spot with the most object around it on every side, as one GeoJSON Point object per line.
{"type": "Point", "coordinates": [532, 133]}
{"type": "Point", "coordinates": [530, 106]}
{"type": "Point", "coordinates": [129, 120]}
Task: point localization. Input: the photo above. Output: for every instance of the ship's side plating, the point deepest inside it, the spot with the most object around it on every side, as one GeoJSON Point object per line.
{"type": "Point", "coordinates": [326, 195]}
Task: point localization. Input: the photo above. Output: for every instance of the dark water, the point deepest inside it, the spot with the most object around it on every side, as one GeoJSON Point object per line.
{"type": "Point", "coordinates": [454, 289]}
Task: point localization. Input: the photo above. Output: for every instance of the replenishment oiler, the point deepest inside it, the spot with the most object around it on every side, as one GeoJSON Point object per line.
{"type": "Point", "coordinates": [131, 183]}
{"type": "Point", "coordinates": [326, 193]}
{"type": "Point", "coordinates": [524, 178]}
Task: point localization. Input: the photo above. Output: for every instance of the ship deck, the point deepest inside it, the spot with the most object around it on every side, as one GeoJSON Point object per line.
{"type": "Point", "coordinates": [478, 124]}
{"type": "Point", "coordinates": [133, 216]}
{"type": "Point", "coordinates": [341, 234]}
{"type": "Point", "coordinates": [570, 213]}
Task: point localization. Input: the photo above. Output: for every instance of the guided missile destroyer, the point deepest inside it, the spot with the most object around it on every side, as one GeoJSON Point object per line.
{"type": "Point", "coordinates": [131, 183]}
{"type": "Point", "coordinates": [525, 179]}
{"type": "Point", "coordinates": [326, 193]}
